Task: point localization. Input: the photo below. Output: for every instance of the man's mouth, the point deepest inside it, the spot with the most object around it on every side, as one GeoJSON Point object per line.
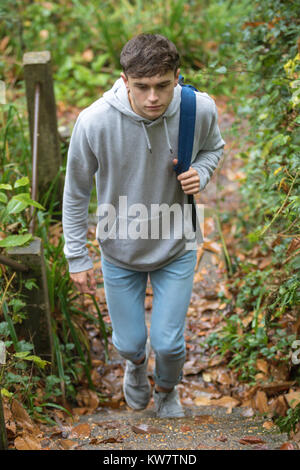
{"type": "Point", "coordinates": [154, 107]}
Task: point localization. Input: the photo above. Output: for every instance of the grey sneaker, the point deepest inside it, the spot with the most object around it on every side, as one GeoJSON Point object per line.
{"type": "Point", "coordinates": [136, 386]}
{"type": "Point", "coordinates": [167, 404]}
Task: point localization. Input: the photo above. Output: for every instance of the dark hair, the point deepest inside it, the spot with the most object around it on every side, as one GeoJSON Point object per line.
{"type": "Point", "coordinates": [146, 55]}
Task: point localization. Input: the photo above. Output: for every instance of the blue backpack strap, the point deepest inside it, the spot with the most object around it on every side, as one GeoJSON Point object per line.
{"type": "Point", "coordinates": [186, 135]}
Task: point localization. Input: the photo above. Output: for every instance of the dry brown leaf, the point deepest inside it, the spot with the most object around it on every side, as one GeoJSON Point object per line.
{"type": "Point", "coordinates": [81, 411]}
{"type": "Point", "coordinates": [260, 403]}
{"type": "Point", "coordinates": [202, 401]}
{"type": "Point", "coordinates": [227, 401]}
{"type": "Point", "coordinates": [265, 262]}
{"type": "Point", "coordinates": [87, 398]}
{"type": "Point", "coordinates": [213, 246]}
{"type": "Point", "coordinates": [293, 398]}
{"type": "Point", "coordinates": [200, 252]}
{"type": "Point", "coordinates": [185, 428]}
{"type": "Point", "coordinates": [81, 431]}
{"type": "Point", "coordinates": [268, 425]}
{"type": "Point", "coordinates": [4, 42]}
{"type": "Point", "coordinates": [262, 365]}
{"type": "Point", "coordinates": [202, 419]}
{"type": "Point", "coordinates": [26, 442]}
{"type": "Point", "coordinates": [279, 406]}
{"type": "Point", "coordinates": [66, 443]}
{"type": "Point", "coordinates": [111, 440]}
{"type": "Point", "coordinates": [251, 440]}
{"type": "Point", "coordinates": [287, 446]}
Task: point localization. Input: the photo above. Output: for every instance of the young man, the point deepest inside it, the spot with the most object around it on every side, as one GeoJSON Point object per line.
{"type": "Point", "coordinates": [128, 139]}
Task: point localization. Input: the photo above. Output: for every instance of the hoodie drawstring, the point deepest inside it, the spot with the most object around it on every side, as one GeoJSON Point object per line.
{"type": "Point", "coordinates": [167, 135]}
{"type": "Point", "coordinates": [166, 132]}
{"type": "Point", "coordinates": [147, 137]}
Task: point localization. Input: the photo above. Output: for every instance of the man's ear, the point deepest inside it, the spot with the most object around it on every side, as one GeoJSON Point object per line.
{"type": "Point", "coordinates": [125, 79]}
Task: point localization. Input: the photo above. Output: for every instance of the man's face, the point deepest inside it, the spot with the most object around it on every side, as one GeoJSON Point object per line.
{"type": "Point", "coordinates": [150, 96]}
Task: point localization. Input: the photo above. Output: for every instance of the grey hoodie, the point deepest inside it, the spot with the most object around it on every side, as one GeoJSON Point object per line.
{"type": "Point", "coordinates": [131, 160]}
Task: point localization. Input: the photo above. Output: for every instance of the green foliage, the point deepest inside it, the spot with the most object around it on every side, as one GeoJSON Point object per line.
{"type": "Point", "coordinates": [85, 41]}
{"type": "Point", "coordinates": [268, 219]}
{"type": "Point", "coordinates": [289, 422]}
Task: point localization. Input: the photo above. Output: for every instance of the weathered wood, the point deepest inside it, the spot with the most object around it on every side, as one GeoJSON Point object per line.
{"type": "Point", "coordinates": [12, 264]}
{"type": "Point", "coordinates": [3, 436]}
{"type": "Point", "coordinates": [37, 326]}
{"type": "Point", "coordinates": [37, 69]}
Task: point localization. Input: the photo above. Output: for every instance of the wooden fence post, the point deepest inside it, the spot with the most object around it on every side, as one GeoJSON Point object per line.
{"type": "Point", "coordinates": [3, 436]}
{"type": "Point", "coordinates": [37, 69]}
{"type": "Point", "coordinates": [37, 326]}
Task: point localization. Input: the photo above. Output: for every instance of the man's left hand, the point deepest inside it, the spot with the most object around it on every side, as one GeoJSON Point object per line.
{"type": "Point", "coordinates": [190, 181]}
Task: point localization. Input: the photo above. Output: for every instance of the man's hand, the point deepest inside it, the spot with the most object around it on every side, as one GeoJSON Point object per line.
{"type": "Point", "coordinates": [85, 281]}
{"type": "Point", "coordinates": [190, 181]}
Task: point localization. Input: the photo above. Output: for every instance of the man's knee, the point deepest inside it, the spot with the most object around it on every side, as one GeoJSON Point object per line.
{"type": "Point", "coordinates": [169, 350]}
{"type": "Point", "coordinates": [132, 350]}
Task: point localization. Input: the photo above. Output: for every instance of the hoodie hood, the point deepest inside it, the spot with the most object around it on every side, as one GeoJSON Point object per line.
{"type": "Point", "coordinates": [117, 97]}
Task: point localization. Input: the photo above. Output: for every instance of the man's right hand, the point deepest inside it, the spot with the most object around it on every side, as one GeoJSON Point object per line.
{"type": "Point", "coordinates": [85, 281]}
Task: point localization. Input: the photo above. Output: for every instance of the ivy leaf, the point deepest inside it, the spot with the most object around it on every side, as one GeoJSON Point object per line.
{"type": "Point", "coordinates": [3, 198]}
{"type": "Point", "coordinates": [15, 240]}
{"type": "Point", "coordinates": [21, 182]}
{"type": "Point", "coordinates": [5, 186]}
{"type": "Point", "coordinates": [25, 197]}
{"type": "Point", "coordinates": [37, 360]}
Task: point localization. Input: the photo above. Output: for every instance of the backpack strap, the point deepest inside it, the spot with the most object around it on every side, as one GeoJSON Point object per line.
{"type": "Point", "coordinates": [186, 135]}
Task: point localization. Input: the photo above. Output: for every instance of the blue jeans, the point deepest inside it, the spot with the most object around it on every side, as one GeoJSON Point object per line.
{"type": "Point", "coordinates": [125, 292]}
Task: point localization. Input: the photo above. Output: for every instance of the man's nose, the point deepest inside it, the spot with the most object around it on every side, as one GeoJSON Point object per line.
{"type": "Point", "coordinates": [153, 96]}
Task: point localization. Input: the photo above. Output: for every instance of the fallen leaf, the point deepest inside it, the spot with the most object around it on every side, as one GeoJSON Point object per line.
{"type": "Point", "coordinates": [185, 428]}
{"type": "Point", "coordinates": [287, 446]}
{"type": "Point", "coordinates": [81, 431]}
{"type": "Point", "coordinates": [227, 401]}
{"type": "Point", "coordinates": [146, 429]}
{"type": "Point", "coordinates": [27, 443]}
{"type": "Point", "coordinates": [251, 440]}
{"type": "Point", "coordinates": [278, 405]}
{"type": "Point", "coordinates": [210, 245]}
{"type": "Point", "coordinates": [268, 425]}
{"type": "Point", "coordinates": [222, 438]}
{"type": "Point", "coordinates": [202, 401]}
{"type": "Point", "coordinates": [262, 365]}
{"type": "Point", "coordinates": [66, 443]}
{"type": "Point", "coordinates": [202, 419]}
{"type": "Point", "coordinates": [111, 440]}
{"type": "Point", "coordinates": [293, 398]}
{"type": "Point", "coordinates": [260, 402]}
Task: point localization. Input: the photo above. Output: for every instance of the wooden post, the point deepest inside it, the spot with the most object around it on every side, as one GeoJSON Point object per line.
{"type": "Point", "coordinates": [37, 326]}
{"type": "Point", "coordinates": [37, 69]}
{"type": "Point", "coordinates": [3, 436]}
